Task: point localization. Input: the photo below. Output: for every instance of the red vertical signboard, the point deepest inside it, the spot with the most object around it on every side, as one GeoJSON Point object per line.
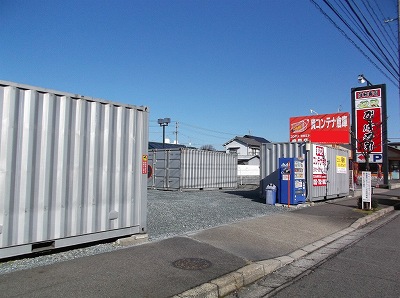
{"type": "Point", "coordinates": [368, 124]}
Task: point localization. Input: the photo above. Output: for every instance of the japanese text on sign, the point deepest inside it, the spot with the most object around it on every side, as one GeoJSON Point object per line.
{"type": "Point", "coordinates": [325, 128]}
{"type": "Point", "coordinates": [366, 186]}
{"type": "Point", "coordinates": [144, 164]}
{"type": "Point", "coordinates": [319, 166]}
{"type": "Point", "coordinates": [341, 164]}
{"type": "Point", "coordinates": [368, 106]}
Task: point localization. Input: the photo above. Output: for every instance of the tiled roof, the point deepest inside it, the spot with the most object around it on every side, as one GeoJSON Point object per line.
{"type": "Point", "coordinates": [249, 140]}
{"type": "Point", "coordinates": [258, 139]}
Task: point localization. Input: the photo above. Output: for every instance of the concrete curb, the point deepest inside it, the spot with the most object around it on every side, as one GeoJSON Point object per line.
{"type": "Point", "coordinates": [247, 275]}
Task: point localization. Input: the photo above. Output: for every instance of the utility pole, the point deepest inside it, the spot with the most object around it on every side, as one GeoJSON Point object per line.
{"type": "Point", "coordinates": [398, 52]}
{"type": "Point", "coordinates": [176, 131]}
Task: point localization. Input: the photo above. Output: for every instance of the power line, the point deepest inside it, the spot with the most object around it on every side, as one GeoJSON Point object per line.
{"type": "Point", "coordinates": [381, 27]}
{"type": "Point", "coordinates": [195, 134]}
{"type": "Point", "coordinates": [206, 129]}
{"type": "Point", "coordinates": [391, 72]}
{"type": "Point", "coordinates": [203, 130]}
{"type": "Point", "coordinates": [371, 34]}
{"type": "Point", "coordinates": [393, 37]}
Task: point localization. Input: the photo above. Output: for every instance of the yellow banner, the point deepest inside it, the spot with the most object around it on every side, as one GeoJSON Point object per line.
{"type": "Point", "coordinates": [341, 164]}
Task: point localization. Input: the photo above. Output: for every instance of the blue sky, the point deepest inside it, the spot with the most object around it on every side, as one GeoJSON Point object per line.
{"type": "Point", "coordinates": [219, 68]}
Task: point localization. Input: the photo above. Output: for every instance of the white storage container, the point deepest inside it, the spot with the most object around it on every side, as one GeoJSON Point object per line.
{"type": "Point", "coordinates": [71, 169]}
{"type": "Point", "coordinates": [183, 169]}
{"type": "Point", "coordinates": [337, 176]}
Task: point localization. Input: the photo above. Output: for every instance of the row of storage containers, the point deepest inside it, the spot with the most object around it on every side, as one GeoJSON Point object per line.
{"type": "Point", "coordinates": [76, 169]}
{"type": "Point", "coordinates": [190, 169]}
{"type": "Point", "coordinates": [72, 169]}
{"type": "Point", "coordinates": [326, 168]}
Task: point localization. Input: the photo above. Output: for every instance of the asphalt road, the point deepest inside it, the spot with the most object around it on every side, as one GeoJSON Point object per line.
{"type": "Point", "coordinates": [368, 267]}
{"type": "Point", "coordinates": [148, 270]}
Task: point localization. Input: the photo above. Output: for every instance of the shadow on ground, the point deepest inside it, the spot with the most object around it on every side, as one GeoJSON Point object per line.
{"type": "Point", "coordinates": [251, 193]}
{"type": "Point", "coordinates": [389, 202]}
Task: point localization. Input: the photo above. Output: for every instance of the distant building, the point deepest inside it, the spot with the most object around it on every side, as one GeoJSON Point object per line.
{"type": "Point", "coordinates": [376, 168]}
{"type": "Point", "coordinates": [250, 160]}
{"type": "Point", "coordinates": [157, 145]}
{"type": "Point", "coordinates": [394, 160]}
{"type": "Point", "coordinates": [395, 145]}
{"type": "Point", "coordinates": [245, 147]}
{"type": "Point", "coordinates": [248, 150]}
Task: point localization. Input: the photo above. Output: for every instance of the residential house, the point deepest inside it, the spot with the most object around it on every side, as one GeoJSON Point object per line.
{"type": "Point", "coordinates": [248, 150]}
{"type": "Point", "coordinates": [160, 146]}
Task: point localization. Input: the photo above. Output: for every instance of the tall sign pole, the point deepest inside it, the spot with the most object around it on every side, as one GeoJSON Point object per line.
{"type": "Point", "coordinates": [385, 162]}
{"type": "Point", "coordinates": [369, 127]}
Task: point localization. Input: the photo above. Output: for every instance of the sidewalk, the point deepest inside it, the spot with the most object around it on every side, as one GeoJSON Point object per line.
{"type": "Point", "coordinates": [209, 263]}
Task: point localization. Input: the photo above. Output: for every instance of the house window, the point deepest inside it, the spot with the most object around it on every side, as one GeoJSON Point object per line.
{"type": "Point", "coordinates": [233, 150]}
{"type": "Point", "coordinates": [254, 151]}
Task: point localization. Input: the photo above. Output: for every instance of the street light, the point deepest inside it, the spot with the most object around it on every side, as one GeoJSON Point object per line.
{"type": "Point", "coordinates": [362, 80]}
{"type": "Point", "coordinates": [164, 122]}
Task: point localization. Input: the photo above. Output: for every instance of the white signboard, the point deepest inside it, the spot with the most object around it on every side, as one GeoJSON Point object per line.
{"type": "Point", "coordinates": [319, 165]}
{"type": "Point", "coordinates": [366, 187]}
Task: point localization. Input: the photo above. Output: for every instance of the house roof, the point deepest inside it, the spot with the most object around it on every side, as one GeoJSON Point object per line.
{"type": "Point", "coordinates": [394, 144]}
{"type": "Point", "coordinates": [258, 139]}
{"type": "Point", "coordinates": [249, 140]}
{"type": "Point", "coordinates": [157, 145]}
{"type": "Point", "coordinates": [393, 153]}
{"type": "Point", "coordinates": [248, 157]}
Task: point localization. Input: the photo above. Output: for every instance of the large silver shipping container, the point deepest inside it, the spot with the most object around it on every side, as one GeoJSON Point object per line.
{"type": "Point", "coordinates": [337, 178]}
{"type": "Point", "coordinates": [269, 161]}
{"type": "Point", "coordinates": [338, 181]}
{"type": "Point", "coordinates": [185, 169]}
{"type": "Point", "coordinates": [71, 169]}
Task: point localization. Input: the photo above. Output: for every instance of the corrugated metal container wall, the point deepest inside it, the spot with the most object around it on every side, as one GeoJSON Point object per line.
{"type": "Point", "coordinates": [71, 169]}
{"type": "Point", "coordinates": [180, 169]}
{"type": "Point", "coordinates": [166, 169]}
{"type": "Point", "coordinates": [337, 183]}
{"type": "Point", "coordinates": [269, 158]}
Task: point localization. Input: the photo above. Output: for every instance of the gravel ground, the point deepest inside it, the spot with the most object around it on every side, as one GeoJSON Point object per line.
{"type": "Point", "coordinates": [170, 213]}
{"type": "Point", "coordinates": [175, 213]}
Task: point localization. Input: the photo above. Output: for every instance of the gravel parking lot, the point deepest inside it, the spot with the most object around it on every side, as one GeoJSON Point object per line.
{"type": "Point", "coordinates": [171, 213]}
